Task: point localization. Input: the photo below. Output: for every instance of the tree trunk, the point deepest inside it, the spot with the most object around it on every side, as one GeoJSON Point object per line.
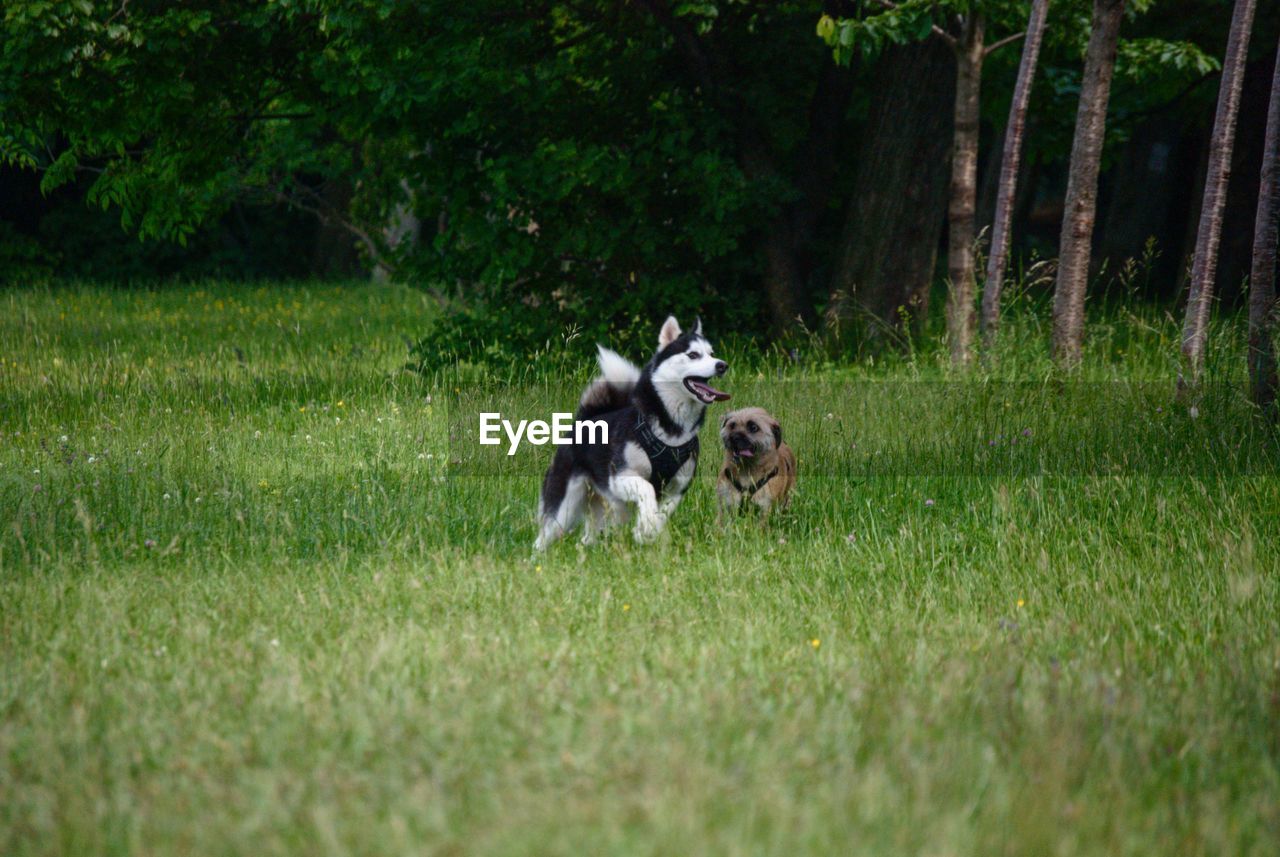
{"type": "Point", "coordinates": [783, 282]}
{"type": "Point", "coordinates": [964, 190]}
{"type": "Point", "coordinates": [1007, 193]}
{"type": "Point", "coordinates": [1205, 266]}
{"type": "Point", "coordinates": [403, 228]}
{"type": "Point", "coordinates": [888, 245]}
{"type": "Point", "coordinates": [789, 241]}
{"type": "Point", "coordinates": [1262, 277]}
{"type": "Point", "coordinates": [784, 285]}
{"type": "Point", "coordinates": [1081, 202]}
{"type": "Point", "coordinates": [333, 249]}
{"type": "Point", "coordinates": [816, 157]}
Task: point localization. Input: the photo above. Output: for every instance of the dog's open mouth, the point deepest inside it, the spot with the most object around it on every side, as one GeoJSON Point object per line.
{"type": "Point", "coordinates": [704, 392]}
{"type": "Point", "coordinates": [740, 447]}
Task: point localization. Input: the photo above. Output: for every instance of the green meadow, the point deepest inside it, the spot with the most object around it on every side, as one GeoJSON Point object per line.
{"type": "Point", "coordinates": [261, 593]}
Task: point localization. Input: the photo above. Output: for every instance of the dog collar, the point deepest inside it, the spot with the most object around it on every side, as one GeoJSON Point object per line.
{"type": "Point", "coordinates": [665, 460]}
{"type": "Point", "coordinates": [751, 489]}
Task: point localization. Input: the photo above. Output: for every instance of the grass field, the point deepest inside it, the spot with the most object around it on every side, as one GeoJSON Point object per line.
{"type": "Point", "coordinates": [259, 596]}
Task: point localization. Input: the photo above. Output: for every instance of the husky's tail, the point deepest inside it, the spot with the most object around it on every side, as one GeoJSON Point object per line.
{"type": "Point", "coordinates": [612, 390]}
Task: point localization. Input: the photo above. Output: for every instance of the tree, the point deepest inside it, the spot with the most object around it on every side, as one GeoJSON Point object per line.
{"type": "Point", "coordinates": [591, 157]}
{"type": "Point", "coordinates": [1081, 201]}
{"type": "Point", "coordinates": [963, 34]}
{"type": "Point", "coordinates": [574, 163]}
{"type": "Point", "coordinates": [888, 244]}
{"type": "Point", "coordinates": [857, 285]}
{"type": "Point", "coordinates": [1262, 279]}
{"type": "Point", "coordinates": [1204, 268]}
{"type": "Point", "coordinates": [969, 53]}
{"type": "Point", "coordinates": [967, 45]}
{"type": "Point", "coordinates": [1006, 192]}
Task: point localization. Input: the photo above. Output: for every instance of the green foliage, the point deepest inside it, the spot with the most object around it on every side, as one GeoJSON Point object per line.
{"type": "Point", "coordinates": [1151, 70]}
{"type": "Point", "coordinates": [568, 154]}
{"type": "Point", "coordinates": [560, 334]}
{"type": "Point", "coordinates": [140, 97]}
{"type": "Point", "coordinates": [1140, 59]}
{"type": "Point", "coordinates": [910, 21]}
{"type": "Point", "coordinates": [496, 336]}
{"type": "Point", "coordinates": [558, 157]}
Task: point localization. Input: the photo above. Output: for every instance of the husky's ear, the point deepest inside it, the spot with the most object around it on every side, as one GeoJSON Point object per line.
{"type": "Point", "coordinates": [697, 326]}
{"type": "Point", "coordinates": [670, 332]}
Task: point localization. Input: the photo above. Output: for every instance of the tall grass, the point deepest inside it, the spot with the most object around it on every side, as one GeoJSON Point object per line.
{"type": "Point", "coordinates": [261, 593]}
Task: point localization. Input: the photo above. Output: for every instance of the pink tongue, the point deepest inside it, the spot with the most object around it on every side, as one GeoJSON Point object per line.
{"type": "Point", "coordinates": [746, 453]}
{"type": "Point", "coordinates": [716, 395]}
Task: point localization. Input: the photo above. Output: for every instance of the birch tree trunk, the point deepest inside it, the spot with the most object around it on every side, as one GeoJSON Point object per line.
{"type": "Point", "coordinates": [1205, 266]}
{"type": "Point", "coordinates": [964, 191]}
{"type": "Point", "coordinates": [1262, 277]}
{"type": "Point", "coordinates": [1007, 190]}
{"type": "Point", "coordinates": [1082, 182]}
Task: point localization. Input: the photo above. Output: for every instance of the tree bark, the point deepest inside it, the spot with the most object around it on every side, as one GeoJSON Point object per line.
{"type": "Point", "coordinates": [888, 246]}
{"type": "Point", "coordinates": [1007, 191]}
{"type": "Point", "coordinates": [1262, 278]}
{"type": "Point", "coordinates": [964, 190]}
{"type": "Point", "coordinates": [1205, 266]}
{"type": "Point", "coordinates": [816, 159]}
{"type": "Point", "coordinates": [788, 241]}
{"type": "Point", "coordinates": [784, 285]}
{"type": "Point", "coordinates": [1080, 207]}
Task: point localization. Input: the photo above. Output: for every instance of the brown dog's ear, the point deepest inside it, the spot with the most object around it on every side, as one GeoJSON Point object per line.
{"type": "Point", "coordinates": [777, 435]}
{"type": "Point", "coordinates": [724, 419]}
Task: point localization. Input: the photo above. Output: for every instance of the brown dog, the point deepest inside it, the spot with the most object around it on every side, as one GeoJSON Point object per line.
{"type": "Point", "coordinates": [758, 467]}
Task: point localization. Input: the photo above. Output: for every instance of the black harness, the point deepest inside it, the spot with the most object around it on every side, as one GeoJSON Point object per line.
{"type": "Point", "coordinates": [750, 489]}
{"type": "Point", "coordinates": [665, 460]}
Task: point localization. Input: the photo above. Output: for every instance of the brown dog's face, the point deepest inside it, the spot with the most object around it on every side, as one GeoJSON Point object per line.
{"type": "Point", "coordinates": [750, 433]}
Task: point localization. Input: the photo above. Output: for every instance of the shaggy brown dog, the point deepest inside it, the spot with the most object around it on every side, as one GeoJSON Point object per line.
{"type": "Point", "coordinates": [758, 467]}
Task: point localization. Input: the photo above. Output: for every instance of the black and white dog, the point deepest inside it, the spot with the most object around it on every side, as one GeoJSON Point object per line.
{"type": "Point", "coordinates": [653, 415]}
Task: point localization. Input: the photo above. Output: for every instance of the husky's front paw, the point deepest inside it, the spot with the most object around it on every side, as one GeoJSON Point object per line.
{"type": "Point", "coordinates": [649, 527]}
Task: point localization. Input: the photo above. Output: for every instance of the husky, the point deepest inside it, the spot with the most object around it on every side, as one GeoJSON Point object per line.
{"type": "Point", "coordinates": [653, 415]}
